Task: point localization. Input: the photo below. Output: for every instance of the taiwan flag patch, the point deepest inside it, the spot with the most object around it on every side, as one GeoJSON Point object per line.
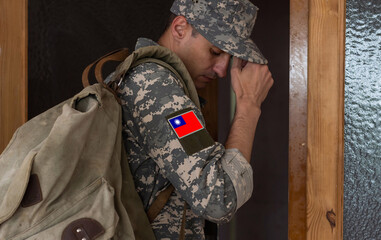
{"type": "Point", "coordinates": [185, 124]}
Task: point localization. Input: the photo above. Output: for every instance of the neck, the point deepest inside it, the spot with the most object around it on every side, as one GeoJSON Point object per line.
{"type": "Point", "coordinates": [166, 41]}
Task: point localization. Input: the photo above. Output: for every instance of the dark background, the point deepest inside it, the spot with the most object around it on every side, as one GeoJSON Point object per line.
{"type": "Point", "coordinates": [66, 35]}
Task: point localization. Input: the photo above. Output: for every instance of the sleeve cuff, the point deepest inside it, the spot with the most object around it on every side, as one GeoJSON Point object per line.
{"type": "Point", "coordinates": [240, 173]}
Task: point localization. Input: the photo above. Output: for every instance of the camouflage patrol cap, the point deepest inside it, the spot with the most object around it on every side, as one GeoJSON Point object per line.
{"type": "Point", "coordinates": [227, 24]}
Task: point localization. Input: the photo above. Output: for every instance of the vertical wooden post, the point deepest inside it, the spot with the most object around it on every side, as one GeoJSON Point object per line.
{"type": "Point", "coordinates": [13, 67]}
{"type": "Point", "coordinates": [298, 120]}
{"type": "Point", "coordinates": [326, 49]}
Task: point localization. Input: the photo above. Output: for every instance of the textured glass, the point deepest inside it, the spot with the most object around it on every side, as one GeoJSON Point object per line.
{"type": "Point", "coordinates": [362, 187]}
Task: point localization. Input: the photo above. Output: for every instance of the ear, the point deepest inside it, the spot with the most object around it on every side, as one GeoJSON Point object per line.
{"type": "Point", "coordinates": [180, 28]}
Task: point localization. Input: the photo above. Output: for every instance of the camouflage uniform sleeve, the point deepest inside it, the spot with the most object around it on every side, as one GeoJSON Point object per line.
{"type": "Point", "coordinates": [214, 182]}
{"type": "Point", "coordinates": [241, 174]}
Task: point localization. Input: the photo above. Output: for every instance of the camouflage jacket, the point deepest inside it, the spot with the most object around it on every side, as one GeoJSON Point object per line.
{"type": "Point", "coordinates": [214, 181]}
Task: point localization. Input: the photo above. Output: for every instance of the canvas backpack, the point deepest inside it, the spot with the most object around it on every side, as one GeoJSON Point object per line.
{"type": "Point", "coordinates": [64, 174]}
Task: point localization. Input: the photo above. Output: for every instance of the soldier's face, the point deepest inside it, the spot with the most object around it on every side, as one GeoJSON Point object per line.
{"type": "Point", "coordinates": [204, 61]}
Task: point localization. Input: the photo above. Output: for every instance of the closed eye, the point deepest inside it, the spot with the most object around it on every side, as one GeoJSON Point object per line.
{"type": "Point", "coordinates": [215, 53]}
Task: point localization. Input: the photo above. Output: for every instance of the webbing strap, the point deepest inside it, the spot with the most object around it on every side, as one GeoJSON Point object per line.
{"type": "Point", "coordinates": [164, 196]}
{"type": "Point", "coordinates": [159, 203]}
{"type": "Point", "coordinates": [182, 229]}
{"type": "Point", "coordinates": [164, 57]}
{"type": "Point", "coordinates": [169, 67]}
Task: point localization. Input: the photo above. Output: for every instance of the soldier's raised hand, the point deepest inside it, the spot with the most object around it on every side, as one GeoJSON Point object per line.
{"type": "Point", "coordinates": [250, 81]}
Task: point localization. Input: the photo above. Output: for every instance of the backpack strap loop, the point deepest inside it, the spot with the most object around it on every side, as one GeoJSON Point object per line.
{"type": "Point", "coordinates": [117, 55]}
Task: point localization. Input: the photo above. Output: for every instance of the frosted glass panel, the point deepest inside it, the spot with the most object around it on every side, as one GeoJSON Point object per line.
{"type": "Point", "coordinates": [362, 182]}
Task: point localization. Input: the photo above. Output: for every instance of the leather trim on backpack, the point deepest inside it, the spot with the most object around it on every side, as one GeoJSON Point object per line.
{"type": "Point", "coordinates": [33, 193]}
{"type": "Point", "coordinates": [83, 229]}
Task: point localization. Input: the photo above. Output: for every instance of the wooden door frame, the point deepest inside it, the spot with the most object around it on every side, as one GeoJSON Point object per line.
{"type": "Point", "coordinates": [316, 108]}
{"type": "Point", "coordinates": [325, 158]}
{"type": "Point", "coordinates": [316, 159]}
{"type": "Point", "coordinates": [13, 67]}
{"type": "Point", "coordinates": [297, 219]}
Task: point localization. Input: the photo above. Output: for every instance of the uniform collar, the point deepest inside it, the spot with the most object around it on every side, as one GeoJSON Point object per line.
{"type": "Point", "coordinates": [145, 42]}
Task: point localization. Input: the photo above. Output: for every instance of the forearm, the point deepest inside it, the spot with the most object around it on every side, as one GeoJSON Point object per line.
{"type": "Point", "coordinates": [251, 83]}
{"type": "Point", "coordinates": [243, 128]}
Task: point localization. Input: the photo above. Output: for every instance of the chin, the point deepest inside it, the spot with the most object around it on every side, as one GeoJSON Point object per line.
{"type": "Point", "coordinates": [202, 82]}
{"type": "Point", "coordinates": [201, 85]}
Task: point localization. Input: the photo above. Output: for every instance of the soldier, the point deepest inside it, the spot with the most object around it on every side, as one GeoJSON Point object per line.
{"type": "Point", "coordinates": [163, 127]}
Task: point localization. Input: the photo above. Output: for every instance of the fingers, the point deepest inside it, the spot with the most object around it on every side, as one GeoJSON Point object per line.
{"type": "Point", "coordinates": [248, 71]}
{"type": "Point", "coordinates": [240, 64]}
{"type": "Point", "coordinates": [250, 81]}
{"type": "Point", "coordinates": [243, 64]}
{"type": "Point", "coordinates": [237, 63]}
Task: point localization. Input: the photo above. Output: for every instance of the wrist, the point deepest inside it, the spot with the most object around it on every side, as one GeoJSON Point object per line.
{"type": "Point", "coordinates": [247, 108]}
{"type": "Point", "coordinates": [249, 101]}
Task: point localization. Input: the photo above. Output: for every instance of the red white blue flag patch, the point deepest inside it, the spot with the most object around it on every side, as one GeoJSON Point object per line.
{"type": "Point", "coordinates": [185, 124]}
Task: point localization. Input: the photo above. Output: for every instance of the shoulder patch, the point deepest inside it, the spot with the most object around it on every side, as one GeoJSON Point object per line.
{"type": "Point", "coordinates": [185, 124]}
{"type": "Point", "coordinates": [189, 130]}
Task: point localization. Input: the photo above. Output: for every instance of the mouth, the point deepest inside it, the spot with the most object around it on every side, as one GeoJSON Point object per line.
{"type": "Point", "coordinates": [209, 78]}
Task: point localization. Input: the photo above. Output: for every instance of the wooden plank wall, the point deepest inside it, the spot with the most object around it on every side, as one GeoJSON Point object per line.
{"type": "Point", "coordinates": [326, 51]}
{"type": "Point", "coordinates": [13, 67]}
{"type": "Point", "coordinates": [298, 120]}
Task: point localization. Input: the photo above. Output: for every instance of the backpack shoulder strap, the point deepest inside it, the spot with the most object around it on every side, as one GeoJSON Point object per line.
{"type": "Point", "coordinates": [164, 57]}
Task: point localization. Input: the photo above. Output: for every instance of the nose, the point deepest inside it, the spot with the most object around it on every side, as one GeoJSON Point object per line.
{"type": "Point", "coordinates": [221, 65]}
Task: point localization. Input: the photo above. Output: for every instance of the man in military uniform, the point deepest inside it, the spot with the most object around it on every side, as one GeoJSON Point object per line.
{"type": "Point", "coordinates": [163, 128]}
